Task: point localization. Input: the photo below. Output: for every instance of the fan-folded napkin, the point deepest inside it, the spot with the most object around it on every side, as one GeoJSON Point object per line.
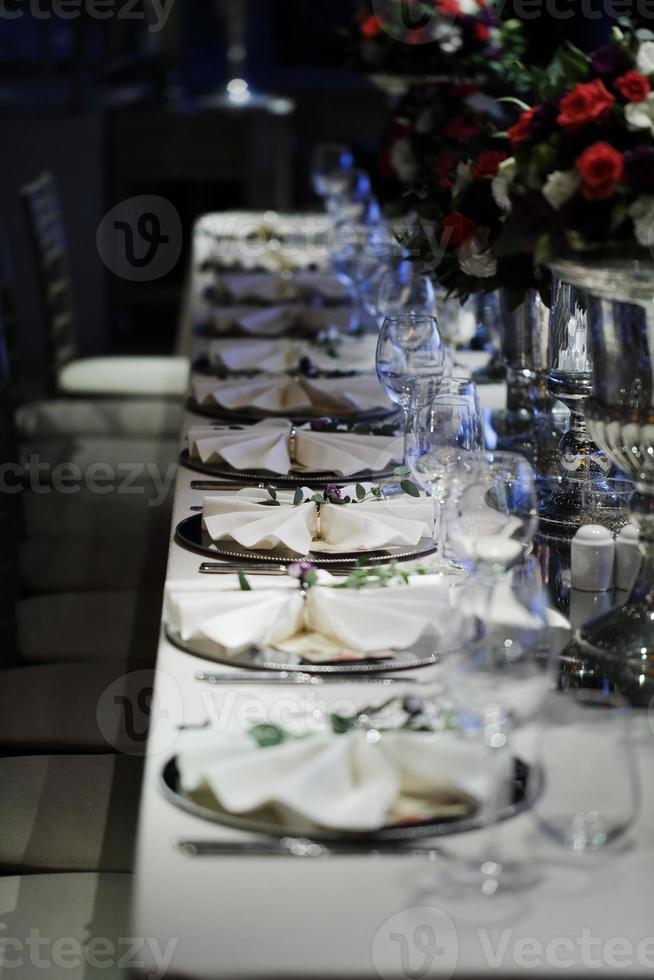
{"type": "Point", "coordinates": [272, 393]}
{"type": "Point", "coordinates": [366, 526]}
{"type": "Point", "coordinates": [269, 445]}
{"type": "Point", "coordinates": [339, 781]}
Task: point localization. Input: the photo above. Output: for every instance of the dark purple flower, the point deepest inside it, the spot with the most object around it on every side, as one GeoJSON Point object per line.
{"type": "Point", "coordinates": [604, 60]}
{"type": "Point", "coordinates": [320, 425]}
{"type": "Point", "coordinates": [543, 121]}
{"type": "Point", "coordinates": [307, 367]}
{"type": "Point", "coordinates": [639, 168]}
{"type": "Point", "coordinates": [300, 569]}
{"type": "Point", "coordinates": [333, 494]}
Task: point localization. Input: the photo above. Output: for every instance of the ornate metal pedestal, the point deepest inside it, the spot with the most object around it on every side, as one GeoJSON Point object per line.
{"type": "Point", "coordinates": [618, 647]}
{"type": "Point", "coordinates": [580, 461]}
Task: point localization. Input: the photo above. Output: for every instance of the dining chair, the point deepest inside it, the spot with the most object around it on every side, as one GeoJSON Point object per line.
{"type": "Point", "coordinates": [69, 375]}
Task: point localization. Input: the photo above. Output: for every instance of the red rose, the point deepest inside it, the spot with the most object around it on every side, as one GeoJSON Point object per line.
{"type": "Point", "coordinates": [481, 32]}
{"type": "Point", "coordinates": [488, 164]}
{"type": "Point", "coordinates": [633, 86]}
{"type": "Point", "coordinates": [588, 102]}
{"type": "Point", "coordinates": [370, 27]}
{"type": "Point", "coordinates": [600, 167]}
{"type": "Point", "coordinates": [457, 229]}
{"type": "Point", "coordinates": [443, 170]}
{"type": "Point", "coordinates": [521, 131]}
{"type": "Point", "coordinates": [463, 90]}
{"type": "Point", "coordinates": [458, 129]}
{"type": "Point", "coordinates": [449, 8]}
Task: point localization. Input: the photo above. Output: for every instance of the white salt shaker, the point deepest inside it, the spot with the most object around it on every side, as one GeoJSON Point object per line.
{"type": "Point", "coordinates": [585, 606]}
{"type": "Point", "coordinates": [592, 558]}
{"type": "Point", "coordinates": [627, 557]}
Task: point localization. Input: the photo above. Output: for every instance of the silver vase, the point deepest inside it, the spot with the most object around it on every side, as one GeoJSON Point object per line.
{"type": "Point", "coordinates": [525, 337]}
{"type": "Point", "coordinates": [580, 461]}
{"type": "Point", "coordinates": [618, 647]}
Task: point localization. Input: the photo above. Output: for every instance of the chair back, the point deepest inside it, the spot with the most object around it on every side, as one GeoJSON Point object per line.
{"type": "Point", "coordinates": [47, 232]}
{"type": "Point", "coordinates": [10, 510]}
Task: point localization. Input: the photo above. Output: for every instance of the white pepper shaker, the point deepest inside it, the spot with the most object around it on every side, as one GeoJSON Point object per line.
{"type": "Point", "coordinates": [627, 557]}
{"type": "Point", "coordinates": [592, 559]}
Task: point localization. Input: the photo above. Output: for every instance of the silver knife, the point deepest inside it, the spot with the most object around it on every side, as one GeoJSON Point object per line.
{"type": "Point", "coordinates": [286, 677]}
{"type": "Point", "coordinates": [297, 847]}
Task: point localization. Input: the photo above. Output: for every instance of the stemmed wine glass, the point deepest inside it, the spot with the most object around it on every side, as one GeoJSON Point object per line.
{"type": "Point", "coordinates": [440, 438]}
{"type": "Point", "coordinates": [403, 290]}
{"type": "Point", "coordinates": [409, 361]}
{"type": "Point", "coordinates": [504, 670]}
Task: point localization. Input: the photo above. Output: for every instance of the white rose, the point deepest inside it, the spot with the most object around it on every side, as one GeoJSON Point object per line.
{"type": "Point", "coordinates": [475, 259]}
{"type": "Point", "coordinates": [451, 40]}
{"type": "Point", "coordinates": [645, 59]}
{"type": "Point", "coordinates": [403, 161]}
{"type": "Point", "coordinates": [640, 115]}
{"type": "Point", "coordinates": [642, 214]}
{"type": "Point", "coordinates": [501, 183]}
{"type": "Point", "coordinates": [560, 186]}
{"type": "Point", "coordinates": [463, 178]}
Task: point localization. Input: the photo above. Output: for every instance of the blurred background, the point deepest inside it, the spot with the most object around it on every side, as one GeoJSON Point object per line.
{"type": "Point", "coordinates": [126, 97]}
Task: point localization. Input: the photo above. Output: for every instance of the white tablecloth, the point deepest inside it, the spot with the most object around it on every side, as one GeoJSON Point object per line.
{"type": "Point", "coordinates": [366, 917]}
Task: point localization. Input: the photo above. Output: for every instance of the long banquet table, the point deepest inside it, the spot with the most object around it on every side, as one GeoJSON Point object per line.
{"type": "Point", "coordinates": [366, 915]}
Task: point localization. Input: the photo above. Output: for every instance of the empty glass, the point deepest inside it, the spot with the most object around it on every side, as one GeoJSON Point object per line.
{"type": "Point", "coordinates": [498, 682]}
{"type": "Point", "coordinates": [330, 164]}
{"type": "Point", "coordinates": [464, 388]}
{"type": "Point", "coordinates": [591, 794]}
{"type": "Point", "coordinates": [404, 290]}
{"type": "Point", "coordinates": [437, 437]}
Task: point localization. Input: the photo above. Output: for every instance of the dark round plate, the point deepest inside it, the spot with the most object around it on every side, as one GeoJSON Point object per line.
{"type": "Point", "coordinates": [256, 415]}
{"type": "Point", "coordinates": [267, 658]}
{"type": "Point", "coordinates": [190, 534]}
{"type": "Point", "coordinates": [291, 479]}
{"type": "Point", "coordinates": [523, 796]}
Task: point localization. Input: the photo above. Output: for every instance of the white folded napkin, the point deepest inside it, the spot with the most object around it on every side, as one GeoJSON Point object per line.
{"type": "Point", "coordinates": [268, 446]}
{"type": "Point", "coordinates": [264, 287]}
{"type": "Point", "coordinates": [374, 524]}
{"type": "Point", "coordinates": [264, 446]}
{"type": "Point", "coordinates": [267, 321]}
{"type": "Point", "coordinates": [277, 394]}
{"type": "Point", "coordinates": [278, 355]}
{"type": "Point", "coordinates": [368, 526]}
{"type": "Point", "coordinates": [244, 518]}
{"type": "Point", "coordinates": [323, 285]}
{"type": "Point", "coordinates": [357, 623]}
{"type": "Point", "coordinates": [338, 781]}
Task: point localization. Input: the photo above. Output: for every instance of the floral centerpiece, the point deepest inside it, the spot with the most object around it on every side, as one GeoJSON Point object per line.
{"type": "Point", "coordinates": [451, 38]}
{"type": "Point", "coordinates": [580, 178]}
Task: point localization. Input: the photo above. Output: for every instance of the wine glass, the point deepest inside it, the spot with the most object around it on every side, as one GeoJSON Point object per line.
{"type": "Point", "coordinates": [497, 683]}
{"type": "Point", "coordinates": [358, 250]}
{"type": "Point", "coordinates": [504, 668]}
{"type": "Point", "coordinates": [330, 164]}
{"type": "Point", "coordinates": [465, 388]}
{"type": "Point", "coordinates": [409, 361]}
{"type": "Point", "coordinates": [403, 290]}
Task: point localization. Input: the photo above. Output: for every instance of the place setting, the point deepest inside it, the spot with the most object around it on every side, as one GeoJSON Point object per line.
{"type": "Point", "coordinates": [279, 452]}
{"type": "Point", "coordinates": [329, 354]}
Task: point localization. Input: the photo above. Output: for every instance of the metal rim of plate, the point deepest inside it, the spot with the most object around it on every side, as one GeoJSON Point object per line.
{"type": "Point", "coordinates": [524, 795]}
{"type": "Point", "coordinates": [203, 367]}
{"type": "Point", "coordinates": [209, 651]}
{"type": "Point", "coordinates": [189, 534]}
{"type": "Point", "coordinates": [291, 478]}
{"type": "Point", "coordinates": [257, 415]}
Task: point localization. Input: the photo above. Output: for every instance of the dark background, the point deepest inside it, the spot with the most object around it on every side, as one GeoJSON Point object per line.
{"type": "Point", "coordinates": [115, 110]}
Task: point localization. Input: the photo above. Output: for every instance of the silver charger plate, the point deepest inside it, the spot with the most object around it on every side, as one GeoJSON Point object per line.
{"type": "Point", "coordinates": [268, 658]}
{"type": "Point", "coordinates": [292, 478]}
{"type": "Point", "coordinates": [256, 415]}
{"type": "Point", "coordinates": [190, 534]}
{"type": "Point", "coordinates": [526, 786]}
